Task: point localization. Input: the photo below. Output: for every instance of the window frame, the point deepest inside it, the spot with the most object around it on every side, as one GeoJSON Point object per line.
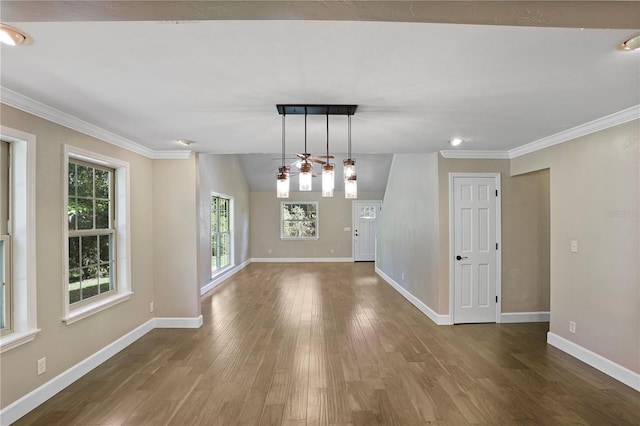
{"type": "Point", "coordinates": [98, 232]}
{"type": "Point", "coordinates": [73, 312]}
{"type": "Point", "coordinates": [6, 308]}
{"type": "Point", "coordinates": [24, 321]}
{"type": "Point", "coordinates": [231, 264]}
{"type": "Point", "coordinates": [317, 221]}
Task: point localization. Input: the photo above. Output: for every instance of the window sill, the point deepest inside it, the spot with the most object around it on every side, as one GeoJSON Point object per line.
{"type": "Point", "coordinates": [219, 272]}
{"type": "Point", "coordinates": [299, 238]}
{"type": "Point", "coordinates": [13, 340]}
{"type": "Point", "coordinates": [86, 311]}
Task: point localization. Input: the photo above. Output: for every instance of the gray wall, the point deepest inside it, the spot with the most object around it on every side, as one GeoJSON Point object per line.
{"type": "Point", "coordinates": [408, 232]}
{"type": "Point", "coordinates": [334, 214]}
{"type": "Point", "coordinates": [595, 200]}
{"type": "Point", "coordinates": [222, 174]}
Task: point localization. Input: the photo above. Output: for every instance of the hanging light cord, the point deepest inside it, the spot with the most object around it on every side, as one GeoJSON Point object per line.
{"type": "Point", "coordinates": [283, 115]}
{"type": "Point", "coordinates": [305, 134]}
{"type": "Point", "coordinates": [327, 135]}
{"type": "Point", "coordinates": [349, 137]}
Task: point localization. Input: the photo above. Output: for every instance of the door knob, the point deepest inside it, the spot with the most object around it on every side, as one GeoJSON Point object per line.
{"type": "Point", "coordinates": [458, 257]}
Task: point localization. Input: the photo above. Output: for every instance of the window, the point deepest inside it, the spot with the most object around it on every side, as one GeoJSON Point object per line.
{"type": "Point", "coordinates": [96, 233]}
{"type": "Point", "coordinates": [5, 242]}
{"type": "Point", "coordinates": [221, 232]}
{"type": "Point", "coordinates": [91, 231]}
{"type": "Point", "coordinates": [17, 238]}
{"type": "Point", "coordinates": [299, 220]}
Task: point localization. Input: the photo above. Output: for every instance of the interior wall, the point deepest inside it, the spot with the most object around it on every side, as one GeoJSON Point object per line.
{"type": "Point", "coordinates": [595, 193]}
{"type": "Point", "coordinates": [408, 231]}
{"type": "Point", "coordinates": [66, 345]}
{"type": "Point", "coordinates": [222, 174]}
{"type": "Point", "coordinates": [526, 246]}
{"type": "Point", "coordinates": [523, 243]}
{"type": "Point", "coordinates": [175, 238]}
{"type": "Point", "coordinates": [334, 214]}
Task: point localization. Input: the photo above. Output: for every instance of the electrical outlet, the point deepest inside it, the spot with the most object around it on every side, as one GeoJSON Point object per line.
{"type": "Point", "coordinates": [269, 251]}
{"type": "Point", "coordinates": [572, 327]}
{"type": "Point", "coordinates": [42, 366]}
{"type": "Point", "coordinates": [332, 251]}
{"type": "Point", "coordinates": [403, 276]}
{"type": "Point", "coordinates": [151, 307]}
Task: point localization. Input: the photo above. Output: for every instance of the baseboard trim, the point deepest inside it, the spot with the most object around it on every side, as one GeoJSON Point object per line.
{"type": "Point", "coordinates": [301, 259]}
{"type": "Point", "coordinates": [608, 367]}
{"type": "Point", "coordinates": [223, 277]}
{"type": "Point", "coordinates": [178, 322]}
{"type": "Point", "coordinates": [430, 313]}
{"type": "Point", "coordinates": [24, 405]}
{"type": "Point", "coordinates": [510, 317]}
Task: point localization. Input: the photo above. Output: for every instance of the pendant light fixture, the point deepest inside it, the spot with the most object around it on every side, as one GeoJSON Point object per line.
{"type": "Point", "coordinates": [350, 177]}
{"type": "Point", "coordinates": [328, 181]}
{"type": "Point", "coordinates": [306, 168]}
{"type": "Point", "coordinates": [282, 186]}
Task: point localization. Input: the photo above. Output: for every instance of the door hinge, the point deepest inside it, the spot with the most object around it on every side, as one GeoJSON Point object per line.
{"type": "Point", "coordinates": [496, 192]}
{"type": "Point", "coordinates": [496, 246]}
{"type": "Point", "coordinates": [496, 299]}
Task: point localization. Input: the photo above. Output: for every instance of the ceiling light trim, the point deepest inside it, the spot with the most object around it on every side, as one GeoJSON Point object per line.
{"type": "Point", "coordinates": [39, 109]}
{"type": "Point", "coordinates": [602, 123]}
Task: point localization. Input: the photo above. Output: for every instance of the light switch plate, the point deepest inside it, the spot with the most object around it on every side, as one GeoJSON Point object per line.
{"type": "Point", "coordinates": [574, 246]}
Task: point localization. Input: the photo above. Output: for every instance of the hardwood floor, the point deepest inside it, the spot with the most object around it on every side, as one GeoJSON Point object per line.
{"type": "Point", "coordinates": [333, 344]}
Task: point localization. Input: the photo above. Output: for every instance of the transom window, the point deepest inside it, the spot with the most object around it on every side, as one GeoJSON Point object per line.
{"type": "Point", "coordinates": [91, 231]}
{"type": "Point", "coordinates": [299, 220]}
{"type": "Point", "coordinates": [221, 232]}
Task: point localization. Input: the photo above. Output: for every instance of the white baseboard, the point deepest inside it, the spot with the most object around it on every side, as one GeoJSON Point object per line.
{"type": "Point", "coordinates": [508, 317]}
{"type": "Point", "coordinates": [608, 367]}
{"type": "Point", "coordinates": [22, 406]}
{"type": "Point", "coordinates": [301, 259]}
{"type": "Point", "coordinates": [222, 277]}
{"type": "Point", "coordinates": [433, 316]}
{"type": "Point", "coordinates": [178, 322]}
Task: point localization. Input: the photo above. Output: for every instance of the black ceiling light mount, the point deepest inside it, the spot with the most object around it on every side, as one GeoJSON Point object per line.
{"type": "Point", "coordinates": [316, 109]}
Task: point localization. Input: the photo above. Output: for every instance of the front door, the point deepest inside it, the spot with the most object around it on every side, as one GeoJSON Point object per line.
{"type": "Point", "coordinates": [475, 248]}
{"type": "Point", "coordinates": [365, 223]}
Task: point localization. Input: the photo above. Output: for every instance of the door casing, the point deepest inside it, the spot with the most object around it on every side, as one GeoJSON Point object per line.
{"type": "Point", "coordinates": [452, 254]}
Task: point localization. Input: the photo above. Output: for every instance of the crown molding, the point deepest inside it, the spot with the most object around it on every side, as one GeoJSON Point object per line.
{"type": "Point", "coordinates": [476, 155]}
{"type": "Point", "coordinates": [24, 103]}
{"type": "Point", "coordinates": [611, 120]}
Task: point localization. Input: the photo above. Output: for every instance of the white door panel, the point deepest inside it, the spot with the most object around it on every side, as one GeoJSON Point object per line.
{"type": "Point", "coordinates": [475, 249]}
{"type": "Point", "coordinates": [365, 223]}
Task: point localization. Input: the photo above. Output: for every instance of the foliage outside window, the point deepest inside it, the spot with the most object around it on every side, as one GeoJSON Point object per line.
{"type": "Point", "coordinates": [220, 232]}
{"type": "Point", "coordinates": [299, 220]}
{"type": "Point", "coordinates": [5, 242]}
{"type": "Point", "coordinates": [91, 231]}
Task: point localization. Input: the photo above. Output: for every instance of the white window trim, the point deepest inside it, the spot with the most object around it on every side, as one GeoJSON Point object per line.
{"type": "Point", "coordinates": [283, 237]}
{"type": "Point", "coordinates": [23, 214]}
{"type": "Point", "coordinates": [232, 257]}
{"type": "Point", "coordinates": [123, 232]}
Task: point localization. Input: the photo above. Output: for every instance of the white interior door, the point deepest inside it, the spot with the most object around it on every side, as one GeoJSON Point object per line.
{"type": "Point", "coordinates": [475, 248]}
{"type": "Point", "coordinates": [365, 223]}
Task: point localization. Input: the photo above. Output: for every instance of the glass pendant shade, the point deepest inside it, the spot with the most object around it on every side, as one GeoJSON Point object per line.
{"type": "Point", "coordinates": [306, 174]}
{"type": "Point", "coordinates": [349, 168]}
{"type": "Point", "coordinates": [328, 181]}
{"type": "Point", "coordinates": [351, 187]}
{"type": "Point", "coordinates": [282, 187]}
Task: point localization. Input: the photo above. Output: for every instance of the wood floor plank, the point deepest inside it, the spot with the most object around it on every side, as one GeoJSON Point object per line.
{"type": "Point", "coordinates": [333, 344]}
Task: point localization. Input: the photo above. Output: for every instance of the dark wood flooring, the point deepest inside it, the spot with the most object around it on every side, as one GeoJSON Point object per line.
{"type": "Point", "coordinates": [333, 344]}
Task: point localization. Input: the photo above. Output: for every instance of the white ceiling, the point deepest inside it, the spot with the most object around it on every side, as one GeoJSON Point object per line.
{"type": "Point", "coordinates": [417, 84]}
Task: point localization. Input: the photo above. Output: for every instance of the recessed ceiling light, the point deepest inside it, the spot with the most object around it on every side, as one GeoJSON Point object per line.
{"type": "Point", "coordinates": [186, 142]}
{"type": "Point", "coordinates": [632, 43]}
{"type": "Point", "coordinates": [455, 141]}
{"type": "Point", "coordinates": [12, 37]}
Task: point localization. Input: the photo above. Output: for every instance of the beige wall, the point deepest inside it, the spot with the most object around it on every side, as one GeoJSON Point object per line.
{"type": "Point", "coordinates": [175, 238]}
{"type": "Point", "coordinates": [62, 345]}
{"type": "Point", "coordinates": [408, 233]}
{"type": "Point", "coordinates": [334, 214]}
{"type": "Point", "coordinates": [524, 265]}
{"type": "Point", "coordinates": [595, 201]}
{"type": "Point", "coordinates": [525, 243]}
{"type": "Point", "coordinates": [222, 174]}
